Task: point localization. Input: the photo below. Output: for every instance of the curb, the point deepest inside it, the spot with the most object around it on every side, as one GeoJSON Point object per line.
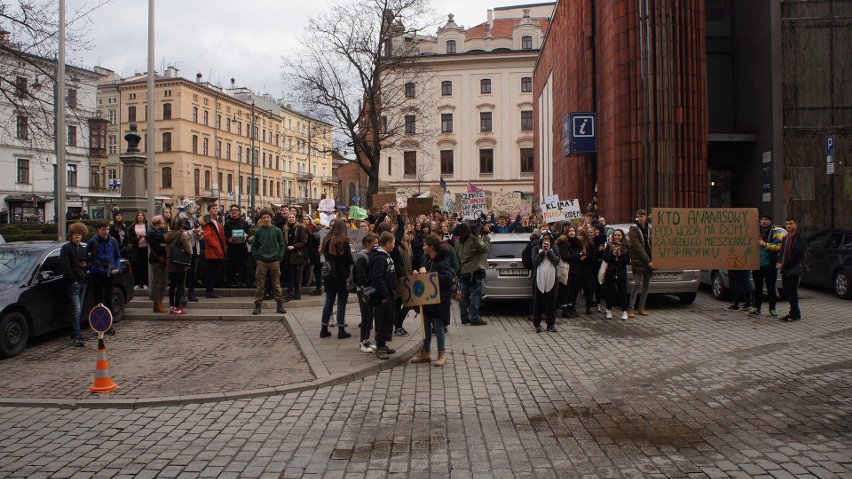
{"type": "Point", "coordinates": [402, 356]}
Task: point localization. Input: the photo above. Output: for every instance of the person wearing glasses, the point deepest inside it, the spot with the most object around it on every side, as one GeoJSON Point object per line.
{"type": "Point", "coordinates": [74, 262]}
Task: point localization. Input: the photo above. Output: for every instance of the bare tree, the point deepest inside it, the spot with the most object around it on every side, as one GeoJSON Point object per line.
{"type": "Point", "coordinates": [29, 43]}
{"type": "Point", "coordinates": [356, 68]}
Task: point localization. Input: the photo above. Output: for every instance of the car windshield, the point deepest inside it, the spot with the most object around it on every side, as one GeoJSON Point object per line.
{"type": "Point", "coordinates": [15, 264]}
{"type": "Point", "coordinates": [506, 250]}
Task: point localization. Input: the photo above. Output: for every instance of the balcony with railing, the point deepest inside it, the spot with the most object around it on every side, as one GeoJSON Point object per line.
{"type": "Point", "coordinates": [329, 180]}
{"type": "Point", "coordinates": [304, 176]}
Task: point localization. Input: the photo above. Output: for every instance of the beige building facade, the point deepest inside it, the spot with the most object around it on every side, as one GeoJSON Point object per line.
{"type": "Point", "coordinates": [473, 116]}
{"type": "Point", "coordinates": [203, 142]}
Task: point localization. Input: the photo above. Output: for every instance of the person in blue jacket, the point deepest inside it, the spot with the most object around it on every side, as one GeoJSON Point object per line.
{"type": "Point", "coordinates": [500, 225]}
{"type": "Point", "coordinates": [105, 260]}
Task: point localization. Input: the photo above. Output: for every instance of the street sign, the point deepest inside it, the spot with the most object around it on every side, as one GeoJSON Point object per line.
{"type": "Point", "coordinates": [100, 319]}
{"type": "Point", "coordinates": [829, 154]}
{"type": "Point", "coordinates": [583, 132]}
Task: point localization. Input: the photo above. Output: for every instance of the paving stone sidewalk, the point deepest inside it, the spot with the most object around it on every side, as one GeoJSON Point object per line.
{"type": "Point", "coordinates": [690, 391]}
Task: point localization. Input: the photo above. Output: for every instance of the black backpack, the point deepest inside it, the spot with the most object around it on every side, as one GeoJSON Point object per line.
{"type": "Point", "coordinates": [526, 256]}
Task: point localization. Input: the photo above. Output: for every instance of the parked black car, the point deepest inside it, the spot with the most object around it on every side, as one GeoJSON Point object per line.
{"type": "Point", "coordinates": [830, 261]}
{"type": "Point", "coordinates": [33, 298]}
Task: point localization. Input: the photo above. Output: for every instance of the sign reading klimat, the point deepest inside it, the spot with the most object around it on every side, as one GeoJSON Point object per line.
{"type": "Point", "coordinates": [705, 238]}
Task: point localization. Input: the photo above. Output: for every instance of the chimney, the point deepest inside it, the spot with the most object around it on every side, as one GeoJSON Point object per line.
{"type": "Point", "coordinates": [267, 96]}
{"type": "Point", "coordinates": [172, 72]}
{"type": "Point", "coordinates": [198, 77]}
{"type": "Point", "coordinates": [490, 19]}
{"type": "Point", "coordinates": [233, 83]}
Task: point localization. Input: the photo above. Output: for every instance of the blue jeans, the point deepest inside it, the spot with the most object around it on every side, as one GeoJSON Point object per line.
{"type": "Point", "coordinates": [341, 307]}
{"type": "Point", "coordinates": [435, 323]}
{"type": "Point", "coordinates": [76, 293]}
{"type": "Point", "coordinates": [471, 290]}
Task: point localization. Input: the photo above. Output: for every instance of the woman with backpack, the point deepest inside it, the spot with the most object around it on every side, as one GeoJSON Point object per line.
{"type": "Point", "coordinates": [437, 255]}
{"type": "Point", "coordinates": [338, 263]}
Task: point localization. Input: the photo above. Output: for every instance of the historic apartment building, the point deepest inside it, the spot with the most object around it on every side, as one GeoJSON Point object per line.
{"type": "Point", "coordinates": [27, 137]}
{"type": "Point", "coordinates": [203, 143]}
{"type": "Point", "coordinates": [469, 115]}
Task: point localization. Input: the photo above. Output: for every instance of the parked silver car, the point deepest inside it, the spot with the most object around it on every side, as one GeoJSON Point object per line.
{"type": "Point", "coordinates": [506, 278]}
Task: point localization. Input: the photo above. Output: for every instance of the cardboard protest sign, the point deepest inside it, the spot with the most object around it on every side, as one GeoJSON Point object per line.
{"type": "Point", "coordinates": [357, 213]}
{"type": "Point", "coordinates": [560, 211]}
{"type": "Point", "coordinates": [525, 207]}
{"type": "Point", "coordinates": [473, 205]}
{"type": "Point", "coordinates": [419, 290]}
{"type": "Point", "coordinates": [325, 219]}
{"type": "Point", "coordinates": [449, 202]}
{"type": "Point", "coordinates": [551, 199]}
{"type": "Point", "coordinates": [355, 238]}
{"type": "Point", "coordinates": [705, 238]}
{"type": "Point", "coordinates": [326, 205]}
{"type": "Point", "coordinates": [381, 199]}
{"type": "Point", "coordinates": [401, 201]}
{"type": "Point", "coordinates": [419, 206]}
{"type": "Point", "coordinates": [508, 202]}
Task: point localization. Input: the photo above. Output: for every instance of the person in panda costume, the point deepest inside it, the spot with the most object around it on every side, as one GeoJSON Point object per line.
{"type": "Point", "coordinates": [193, 228]}
{"type": "Point", "coordinates": [545, 259]}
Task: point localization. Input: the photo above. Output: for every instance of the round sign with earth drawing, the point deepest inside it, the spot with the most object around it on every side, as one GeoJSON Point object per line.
{"type": "Point", "coordinates": [100, 319]}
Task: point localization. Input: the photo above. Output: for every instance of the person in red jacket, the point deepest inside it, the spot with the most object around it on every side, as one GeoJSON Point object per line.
{"type": "Point", "coordinates": [214, 248]}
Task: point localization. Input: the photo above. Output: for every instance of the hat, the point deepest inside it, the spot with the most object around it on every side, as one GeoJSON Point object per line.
{"type": "Point", "coordinates": [116, 213]}
{"type": "Point", "coordinates": [766, 215]}
{"type": "Point", "coordinates": [316, 221]}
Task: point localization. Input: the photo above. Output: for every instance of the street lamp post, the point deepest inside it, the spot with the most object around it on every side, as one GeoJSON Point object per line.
{"type": "Point", "coordinates": [251, 155]}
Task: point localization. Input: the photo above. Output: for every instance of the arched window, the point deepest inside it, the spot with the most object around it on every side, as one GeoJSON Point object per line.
{"type": "Point", "coordinates": [451, 46]}
{"type": "Point", "coordinates": [353, 192]}
{"type": "Point", "coordinates": [166, 176]}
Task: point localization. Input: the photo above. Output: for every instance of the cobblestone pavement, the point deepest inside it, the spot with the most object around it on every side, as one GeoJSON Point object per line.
{"type": "Point", "coordinates": [159, 358]}
{"type": "Point", "coordinates": [690, 391]}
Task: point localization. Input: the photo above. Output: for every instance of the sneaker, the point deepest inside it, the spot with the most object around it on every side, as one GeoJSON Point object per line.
{"type": "Point", "coordinates": [182, 311]}
{"type": "Point", "coordinates": [608, 314]}
{"type": "Point", "coordinates": [390, 350]}
{"type": "Point", "coordinates": [753, 311]}
{"type": "Point", "coordinates": [551, 329]}
{"type": "Point", "coordinates": [174, 310]}
{"type": "Point", "coordinates": [790, 319]}
{"type": "Point", "coordinates": [400, 332]}
{"type": "Point", "coordinates": [538, 329]}
{"type": "Point", "coordinates": [78, 342]}
{"type": "Point", "coordinates": [624, 316]}
{"type": "Point", "coordinates": [598, 307]}
{"type": "Point", "coordinates": [773, 313]}
{"type": "Point", "coordinates": [382, 353]}
{"type": "Point", "coordinates": [630, 313]}
{"type": "Point", "coordinates": [364, 347]}
{"type": "Point", "coordinates": [733, 307]}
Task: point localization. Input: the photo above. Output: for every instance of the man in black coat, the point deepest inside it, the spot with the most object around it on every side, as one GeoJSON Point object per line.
{"type": "Point", "coordinates": [383, 299]}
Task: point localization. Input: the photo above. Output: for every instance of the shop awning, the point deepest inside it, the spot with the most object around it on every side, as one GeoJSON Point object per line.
{"type": "Point", "coordinates": [28, 198]}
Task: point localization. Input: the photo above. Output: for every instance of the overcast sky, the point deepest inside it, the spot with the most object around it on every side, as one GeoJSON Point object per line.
{"type": "Point", "coordinates": [222, 39]}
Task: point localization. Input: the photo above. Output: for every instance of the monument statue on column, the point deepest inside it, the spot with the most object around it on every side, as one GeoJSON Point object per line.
{"type": "Point", "coordinates": [133, 197]}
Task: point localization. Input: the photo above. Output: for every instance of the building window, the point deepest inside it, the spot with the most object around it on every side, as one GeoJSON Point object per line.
{"type": "Point", "coordinates": [71, 98]}
{"type": "Point", "coordinates": [112, 117]}
{"type": "Point", "coordinates": [23, 130]}
{"type": "Point", "coordinates": [486, 161]}
{"type": "Point", "coordinates": [230, 182]}
{"type": "Point", "coordinates": [384, 125]}
{"type": "Point", "coordinates": [526, 84]}
{"type": "Point", "coordinates": [526, 43]}
{"type": "Point", "coordinates": [485, 121]}
{"type": "Point", "coordinates": [409, 163]}
{"type": "Point", "coordinates": [131, 113]}
{"type": "Point", "coordinates": [167, 141]}
{"type": "Point", "coordinates": [72, 175]}
{"type": "Point", "coordinates": [485, 86]}
{"type": "Point", "coordinates": [166, 177]}
{"type": "Point", "coordinates": [195, 114]}
{"type": "Point", "coordinates": [23, 171]}
{"type": "Point", "coordinates": [195, 143]}
{"type": "Point", "coordinates": [219, 181]}
{"type": "Point", "coordinates": [451, 46]}
{"type": "Point", "coordinates": [72, 135]}
{"type": "Point", "coordinates": [527, 120]}
{"type": "Point", "coordinates": [410, 124]}
{"type": "Point", "coordinates": [447, 162]}
{"type": "Point", "coordinates": [389, 165]}
{"type": "Point", "coordinates": [206, 179]}
{"type": "Point", "coordinates": [167, 111]}
{"type": "Point", "coordinates": [526, 161]}
{"type": "Point", "coordinates": [196, 181]}
{"type": "Point", "coordinates": [228, 125]}
{"type": "Point", "coordinates": [227, 151]}
{"type": "Point", "coordinates": [112, 144]}
{"type": "Point", "coordinates": [409, 90]}
{"type": "Point", "coordinates": [218, 149]}
{"type": "Point", "coordinates": [446, 88]}
{"type": "Point", "coordinates": [204, 115]}
{"type": "Point", "coordinates": [21, 87]}
{"type": "Point", "coordinates": [446, 122]}
{"type": "Point", "coordinates": [205, 145]}
{"type": "Point", "coordinates": [218, 122]}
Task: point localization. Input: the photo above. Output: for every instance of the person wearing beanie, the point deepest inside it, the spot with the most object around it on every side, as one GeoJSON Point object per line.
{"type": "Point", "coordinates": [545, 259]}
{"type": "Point", "coordinates": [771, 238]}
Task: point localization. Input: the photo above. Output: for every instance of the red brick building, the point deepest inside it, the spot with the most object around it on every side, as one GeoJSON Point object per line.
{"type": "Point", "coordinates": [352, 183]}
{"type": "Point", "coordinates": [644, 74]}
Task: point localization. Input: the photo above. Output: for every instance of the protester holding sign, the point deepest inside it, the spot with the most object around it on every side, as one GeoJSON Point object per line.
{"type": "Point", "coordinates": [437, 256]}
{"type": "Point", "coordinates": [500, 224]}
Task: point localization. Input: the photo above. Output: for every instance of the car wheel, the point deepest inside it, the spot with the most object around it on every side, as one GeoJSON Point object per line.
{"type": "Point", "coordinates": [841, 285]}
{"type": "Point", "coordinates": [117, 306]}
{"type": "Point", "coordinates": [719, 291]}
{"type": "Point", "coordinates": [14, 334]}
{"type": "Point", "coordinates": [687, 298]}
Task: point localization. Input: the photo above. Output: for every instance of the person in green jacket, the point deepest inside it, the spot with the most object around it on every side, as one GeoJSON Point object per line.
{"type": "Point", "coordinates": [267, 247]}
{"type": "Point", "coordinates": [472, 248]}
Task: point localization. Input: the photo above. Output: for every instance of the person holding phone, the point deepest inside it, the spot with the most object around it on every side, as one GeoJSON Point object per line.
{"type": "Point", "coordinates": [545, 259]}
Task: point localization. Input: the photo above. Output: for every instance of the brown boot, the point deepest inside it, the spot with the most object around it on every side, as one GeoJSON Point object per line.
{"type": "Point", "coordinates": [422, 357]}
{"type": "Point", "coordinates": [159, 308]}
{"type": "Point", "coordinates": [442, 359]}
{"type": "Point", "coordinates": [630, 313]}
{"type": "Point", "coordinates": [643, 311]}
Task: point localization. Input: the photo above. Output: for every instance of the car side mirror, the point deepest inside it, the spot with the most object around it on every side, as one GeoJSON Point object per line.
{"type": "Point", "coordinates": [46, 275]}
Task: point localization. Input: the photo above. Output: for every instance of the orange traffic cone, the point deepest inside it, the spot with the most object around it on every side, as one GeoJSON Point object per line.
{"type": "Point", "coordinates": [103, 381]}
